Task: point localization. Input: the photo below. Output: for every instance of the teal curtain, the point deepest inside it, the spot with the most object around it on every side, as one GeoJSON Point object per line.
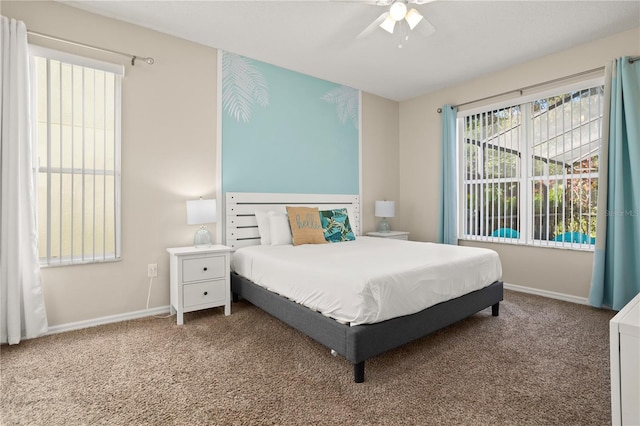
{"type": "Point", "coordinates": [448, 215]}
{"type": "Point", "coordinates": [616, 267]}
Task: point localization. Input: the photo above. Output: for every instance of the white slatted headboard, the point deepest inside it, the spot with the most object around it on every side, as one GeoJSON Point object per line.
{"type": "Point", "coordinates": [242, 228]}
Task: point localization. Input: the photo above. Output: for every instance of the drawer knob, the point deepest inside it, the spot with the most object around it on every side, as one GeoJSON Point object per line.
{"type": "Point", "coordinates": [205, 293]}
{"type": "Point", "coordinates": [205, 268]}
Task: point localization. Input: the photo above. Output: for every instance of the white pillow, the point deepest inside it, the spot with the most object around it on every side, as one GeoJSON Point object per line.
{"type": "Point", "coordinates": [263, 227]}
{"type": "Point", "coordinates": [280, 229]}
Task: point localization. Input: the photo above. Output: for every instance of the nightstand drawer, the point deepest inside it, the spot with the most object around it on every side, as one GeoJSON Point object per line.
{"type": "Point", "coordinates": [203, 268]}
{"type": "Point", "coordinates": [204, 293]}
{"type": "Point", "coordinates": [391, 235]}
{"type": "Point", "coordinates": [399, 237]}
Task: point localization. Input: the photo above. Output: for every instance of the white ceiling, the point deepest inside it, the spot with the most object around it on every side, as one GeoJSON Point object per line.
{"type": "Point", "coordinates": [318, 37]}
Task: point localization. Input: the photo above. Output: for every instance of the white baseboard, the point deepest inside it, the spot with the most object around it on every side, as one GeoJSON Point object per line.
{"type": "Point", "coordinates": [107, 320]}
{"type": "Point", "coordinates": [165, 310]}
{"type": "Point", "coordinates": [547, 293]}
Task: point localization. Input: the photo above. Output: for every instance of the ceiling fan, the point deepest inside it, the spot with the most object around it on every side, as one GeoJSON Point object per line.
{"type": "Point", "coordinates": [400, 17]}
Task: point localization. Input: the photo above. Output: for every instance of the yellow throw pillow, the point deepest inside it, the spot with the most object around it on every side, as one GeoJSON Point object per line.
{"type": "Point", "coordinates": [306, 227]}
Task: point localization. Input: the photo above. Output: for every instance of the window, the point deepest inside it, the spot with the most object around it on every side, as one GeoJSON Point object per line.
{"type": "Point", "coordinates": [530, 171]}
{"type": "Point", "coordinates": [77, 131]}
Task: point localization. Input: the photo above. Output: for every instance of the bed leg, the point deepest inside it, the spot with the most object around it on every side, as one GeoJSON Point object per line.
{"type": "Point", "coordinates": [234, 297]}
{"type": "Point", "coordinates": [495, 309]}
{"type": "Point", "coordinates": [358, 372]}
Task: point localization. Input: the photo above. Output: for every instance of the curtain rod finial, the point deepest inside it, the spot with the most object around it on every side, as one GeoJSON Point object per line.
{"type": "Point", "coordinates": [149, 60]}
{"type": "Point", "coordinates": [439, 110]}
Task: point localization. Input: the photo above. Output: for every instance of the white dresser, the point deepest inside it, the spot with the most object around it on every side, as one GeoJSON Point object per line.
{"type": "Point", "coordinates": [199, 279]}
{"type": "Point", "coordinates": [624, 331]}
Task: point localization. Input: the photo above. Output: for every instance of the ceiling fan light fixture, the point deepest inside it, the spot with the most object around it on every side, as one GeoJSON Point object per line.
{"type": "Point", "coordinates": [413, 18]}
{"type": "Point", "coordinates": [388, 24]}
{"type": "Point", "coordinates": [398, 11]}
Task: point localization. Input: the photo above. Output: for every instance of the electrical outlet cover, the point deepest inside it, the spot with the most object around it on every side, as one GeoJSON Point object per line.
{"type": "Point", "coordinates": [152, 270]}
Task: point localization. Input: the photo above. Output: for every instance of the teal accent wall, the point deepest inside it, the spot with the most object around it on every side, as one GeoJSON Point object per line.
{"type": "Point", "coordinates": [287, 132]}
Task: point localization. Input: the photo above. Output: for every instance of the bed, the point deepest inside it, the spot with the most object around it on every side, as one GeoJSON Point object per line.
{"type": "Point", "coordinates": [354, 336]}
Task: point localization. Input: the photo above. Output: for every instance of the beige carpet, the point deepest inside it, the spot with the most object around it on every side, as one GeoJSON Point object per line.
{"type": "Point", "coordinates": [541, 362]}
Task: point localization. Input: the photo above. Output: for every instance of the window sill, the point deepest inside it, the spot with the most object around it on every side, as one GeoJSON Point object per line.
{"type": "Point", "coordinates": [79, 262]}
{"type": "Point", "coordinates": [549, 245]}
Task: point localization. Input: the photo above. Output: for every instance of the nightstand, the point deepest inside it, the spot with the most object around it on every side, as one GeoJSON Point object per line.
{"type": "Point", "coordinates": [199, 279]}
{"type": "Point", "coordinates": [394, 235]}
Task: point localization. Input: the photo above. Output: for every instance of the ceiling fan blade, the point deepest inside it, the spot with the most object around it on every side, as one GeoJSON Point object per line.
{"type": "Point", "coordinates": [421, 1]}
{"type": "Point", "coordinates": [373, 26]}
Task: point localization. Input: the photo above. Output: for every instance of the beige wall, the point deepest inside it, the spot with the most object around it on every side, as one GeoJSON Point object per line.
{"type": "Point", "coordinates": [562, 271]}
{"type": "Point", "coordinates": [380, 173]}
{"type": "Point", "coordinates": [168, 156]}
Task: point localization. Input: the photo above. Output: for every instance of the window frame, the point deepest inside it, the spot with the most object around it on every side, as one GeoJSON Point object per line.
{"type": "Point", "coordinates": [525, 179]}
{"type": "Point", "coordinates": [118, 71]}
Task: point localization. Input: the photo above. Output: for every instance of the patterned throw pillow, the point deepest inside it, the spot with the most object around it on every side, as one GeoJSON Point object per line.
{"type": "Point", "coordinates": [336, 227]}
{"type": "Point", "coordinates": [305, 225]}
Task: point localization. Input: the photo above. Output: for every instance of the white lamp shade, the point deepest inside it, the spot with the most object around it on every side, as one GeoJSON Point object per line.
{"type": "Point", "coordinates": [385, 209]}
{"type": "Point", "coordinates": [201, 211]}
{"type": "Point", "coordinates": [413, 18]}
{"type": "Point", "coordinates": [388, 24]}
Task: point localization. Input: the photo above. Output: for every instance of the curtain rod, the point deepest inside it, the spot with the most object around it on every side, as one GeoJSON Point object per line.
{"type": "Point", "coordinates": [544, 83]}
{"type": "Point", "coordinates": [148, 60]}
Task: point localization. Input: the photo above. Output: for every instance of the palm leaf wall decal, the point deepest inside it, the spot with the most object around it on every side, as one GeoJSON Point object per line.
{"type": "Point", "coordinates": [243, 87]}
{"type": "Point", "coordinates": [345, 99]}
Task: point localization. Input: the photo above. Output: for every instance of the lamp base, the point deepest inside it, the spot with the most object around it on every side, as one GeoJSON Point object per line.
{"type": "Point", "coordinates": [384, 226]}
{"type": "Point", "coordinates": [202, 237]}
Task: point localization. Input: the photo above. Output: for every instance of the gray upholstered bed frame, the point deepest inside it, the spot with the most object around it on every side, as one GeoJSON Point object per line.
{"type": "Point", "coordinates": [357, 343]}
{"type": "Point", "coordinates": [361, 342]}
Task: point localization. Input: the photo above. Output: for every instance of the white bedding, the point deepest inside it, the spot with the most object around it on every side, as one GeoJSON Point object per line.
{"type": "Point", "coordinates": [370, 279]}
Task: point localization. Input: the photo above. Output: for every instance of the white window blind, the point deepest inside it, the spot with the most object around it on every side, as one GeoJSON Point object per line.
{"type": "Point", "coordinates": [77, 128]}
{"type": "Point", "coordinates": [530, 171]}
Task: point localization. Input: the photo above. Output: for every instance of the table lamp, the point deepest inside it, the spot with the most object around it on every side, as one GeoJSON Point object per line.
{"type": "Point", "coordinates": [200, 212]}
{"type": "Point", "coordinates": [385, 209]}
